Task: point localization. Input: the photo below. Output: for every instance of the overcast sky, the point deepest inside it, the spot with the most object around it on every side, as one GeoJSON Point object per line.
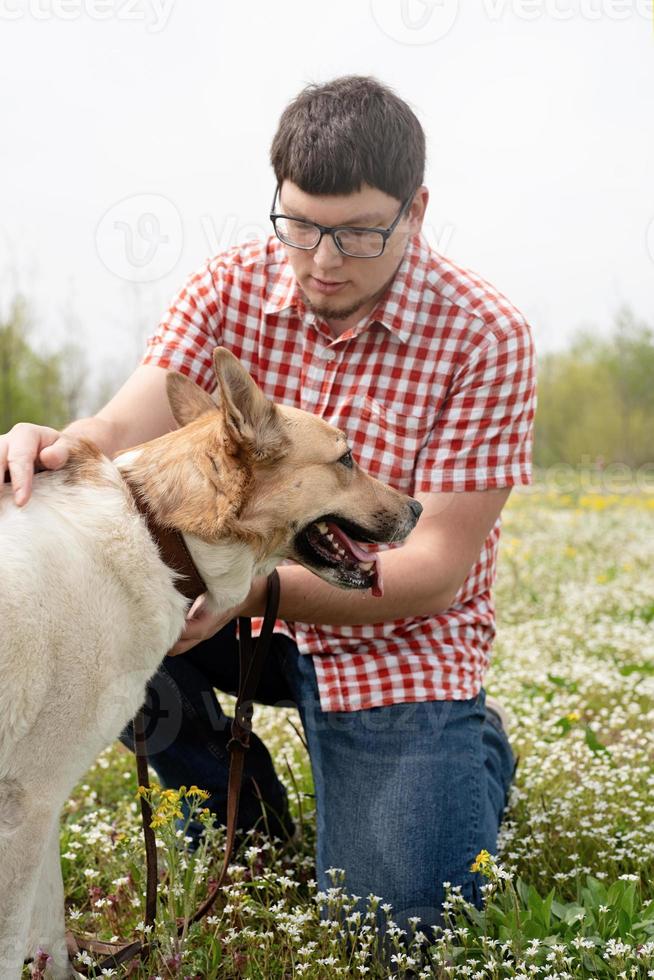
{"type": "Point", "coordinates": [135, 136]}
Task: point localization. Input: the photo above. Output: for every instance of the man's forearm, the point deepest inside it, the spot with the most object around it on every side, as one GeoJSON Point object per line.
{"type": "Point", "coordinates": [414, 585]}
{"type": "Point", "coordinates": [422, 578]}
{"type": "Point", "coordinates": [140, 411]}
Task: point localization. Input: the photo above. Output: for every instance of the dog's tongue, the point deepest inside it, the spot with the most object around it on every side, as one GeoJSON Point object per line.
{"type": "Point", "coordinates": [361, 555]}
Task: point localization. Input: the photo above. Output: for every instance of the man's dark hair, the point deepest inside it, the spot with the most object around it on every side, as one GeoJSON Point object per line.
{"type": "Point", "coordinates": [334, 138]}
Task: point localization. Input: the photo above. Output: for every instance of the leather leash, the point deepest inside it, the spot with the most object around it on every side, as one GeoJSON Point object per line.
{"type": "Point", "coordinates": [251, 659]}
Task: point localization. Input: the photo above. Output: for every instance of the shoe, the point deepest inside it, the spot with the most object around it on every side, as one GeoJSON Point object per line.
{"type": "Point", "coordinates": [498, 715]}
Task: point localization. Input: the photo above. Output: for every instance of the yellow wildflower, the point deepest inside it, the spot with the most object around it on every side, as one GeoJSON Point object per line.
{"type": "Point", "coordinates": [196, 791]}
{"type": "Point", "coordinates": [483, 863]}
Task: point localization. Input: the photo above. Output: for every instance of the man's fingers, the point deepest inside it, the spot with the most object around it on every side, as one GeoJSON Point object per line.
{"type": "Point", "coordinates": [20, 453]}
{"type": "Point", "coordinates": [178, 649]}
{"type": "Point", "coordinates": [4, 449]}
{"type": "Point", "coordinates": [183, 646]}
{"type": "Point", "coordinates": [21, 470]}
{"type": "Point", "coordinates": [53, 455]}
{"type": "Point", "coordinates": [194, 629]}
{"type": "Point", "coordinates": [202, 626]}
{"type": "Point", "coordinates": [197, 607]}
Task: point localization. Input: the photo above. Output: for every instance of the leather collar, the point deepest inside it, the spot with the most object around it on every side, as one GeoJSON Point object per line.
{"type": "Point", "coordinates": [172, 549]}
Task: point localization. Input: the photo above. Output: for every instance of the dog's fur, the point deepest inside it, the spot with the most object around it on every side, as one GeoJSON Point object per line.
{"type": "Point", "coordinates": [88, 608]}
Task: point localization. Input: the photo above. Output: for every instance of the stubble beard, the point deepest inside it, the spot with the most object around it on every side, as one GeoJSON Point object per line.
{"type": "Point", "coordinates": [327, 312]}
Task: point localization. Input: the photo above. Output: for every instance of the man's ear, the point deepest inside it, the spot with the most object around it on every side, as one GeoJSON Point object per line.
{"type": "Point", "coordinates": [418, 208]}
{"type": "Point", "coordinates": [187, 400]}
{"type": "Point", "coordinates": [250, 418]}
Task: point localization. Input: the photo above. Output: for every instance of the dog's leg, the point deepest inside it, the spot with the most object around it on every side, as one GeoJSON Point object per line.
{"type": "Point", "coordinates": [24, 829]}
{"type": "Point", "coordinates": [47, 928]}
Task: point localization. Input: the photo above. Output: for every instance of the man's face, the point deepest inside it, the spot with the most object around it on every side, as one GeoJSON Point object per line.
{"type": "Point", "coordinates": [339, 286]}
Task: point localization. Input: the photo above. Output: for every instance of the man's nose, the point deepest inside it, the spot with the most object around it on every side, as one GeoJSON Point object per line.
{"type": "Point", "coordinates": [326, 255]}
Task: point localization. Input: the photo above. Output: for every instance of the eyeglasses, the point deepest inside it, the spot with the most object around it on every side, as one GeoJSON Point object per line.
{"type": "Point", "coordinates": [360, 243]}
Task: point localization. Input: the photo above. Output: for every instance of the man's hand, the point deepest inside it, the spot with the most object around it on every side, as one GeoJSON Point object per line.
{"type": "Point", "coordinates": [202, 623]}
{"type": "Point", "coordinates": [24, 448]}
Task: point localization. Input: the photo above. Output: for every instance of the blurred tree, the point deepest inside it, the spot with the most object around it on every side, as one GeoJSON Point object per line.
{"type": "Point", "coordinates": [596, 399]}
{"type": "Point", "coordinates": [630, 363]}
{"type": "Point", "coordinates": [36, 386]}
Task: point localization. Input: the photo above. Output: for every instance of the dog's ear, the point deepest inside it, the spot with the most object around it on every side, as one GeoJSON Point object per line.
{"type": "Point", "coordinates": [187, 400]}
{"type": "Point", "coordinates": [250, 418]}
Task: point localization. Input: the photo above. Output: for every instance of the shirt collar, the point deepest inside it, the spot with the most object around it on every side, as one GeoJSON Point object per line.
{"type": "Point", "coordinates": [408, 283]}
{"type": "Point", "coordinates": [284, 293]}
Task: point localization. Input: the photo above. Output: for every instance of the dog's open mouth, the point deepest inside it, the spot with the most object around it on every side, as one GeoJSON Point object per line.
{"type": "Point", "coordinates": [325, 543]}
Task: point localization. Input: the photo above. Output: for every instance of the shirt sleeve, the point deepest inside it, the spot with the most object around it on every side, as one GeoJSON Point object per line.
{"type": "Point", "coordinates": [190, 330]}
{"type": "Point", "coordinates": [483, 434]}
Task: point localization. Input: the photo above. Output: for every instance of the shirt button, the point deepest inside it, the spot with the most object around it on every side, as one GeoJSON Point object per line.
{"type": "Point", "coordinates": [330, 355]}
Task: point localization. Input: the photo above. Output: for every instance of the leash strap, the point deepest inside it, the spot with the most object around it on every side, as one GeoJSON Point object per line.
{"type": "Point", "coordinates": [251, 660]}
{"type": "Point", "coordinates": [119, 953]}
{"type": "Point", "coordinates": [146, 816]}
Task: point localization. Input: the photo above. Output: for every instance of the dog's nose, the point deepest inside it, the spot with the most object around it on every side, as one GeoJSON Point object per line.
{"type": "Point", "coordinates": [415, 508]}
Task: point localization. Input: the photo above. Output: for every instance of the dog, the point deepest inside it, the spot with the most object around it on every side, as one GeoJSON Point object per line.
{"type": "Point", "coordinates": [89, 608]}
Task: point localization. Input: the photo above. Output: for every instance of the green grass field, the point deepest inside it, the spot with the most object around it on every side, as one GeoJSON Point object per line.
{"type": "Point", "coordinates": [570, 893]}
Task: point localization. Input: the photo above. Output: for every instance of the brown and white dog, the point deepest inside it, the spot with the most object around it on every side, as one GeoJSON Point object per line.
{"type": "Point", "coordinates": [88, 608]}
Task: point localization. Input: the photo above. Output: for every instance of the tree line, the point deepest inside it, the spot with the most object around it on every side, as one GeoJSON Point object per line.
{"type": "Point", "coordinates": [37, 386]}
{"type": "Point", "coordinates": [595, 397]}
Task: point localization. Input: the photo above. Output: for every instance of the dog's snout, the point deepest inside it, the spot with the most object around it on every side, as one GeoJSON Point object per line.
{"type": "Point", "coordinates": [415, 508]}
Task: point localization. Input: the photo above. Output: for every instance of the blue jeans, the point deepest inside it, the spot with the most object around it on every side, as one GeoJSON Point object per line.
{"type": "Point", "coordinates": [406, 795]}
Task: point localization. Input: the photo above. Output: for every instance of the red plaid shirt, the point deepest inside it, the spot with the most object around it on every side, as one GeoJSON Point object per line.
{"type": "Point", "coordinates": [436, 392]}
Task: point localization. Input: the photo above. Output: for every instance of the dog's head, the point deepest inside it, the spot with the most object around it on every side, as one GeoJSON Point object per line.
{"type": "Point", "coordinates": [293, 487]}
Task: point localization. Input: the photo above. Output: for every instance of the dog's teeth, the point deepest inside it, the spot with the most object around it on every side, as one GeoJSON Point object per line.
{"type": "Point", "coordinates": [322, 527]}
{"type": "Point", "coordinates": [330, 537]}
{"type": "Point", "coordinates": [366, 565]}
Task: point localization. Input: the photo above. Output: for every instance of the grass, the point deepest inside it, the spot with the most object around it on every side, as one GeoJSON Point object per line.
{"type": "Point", "coordinates": [570, 893]}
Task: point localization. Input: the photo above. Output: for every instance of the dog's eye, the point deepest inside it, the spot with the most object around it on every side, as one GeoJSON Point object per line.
{"type": "Point", "coordinates": [346, 459]}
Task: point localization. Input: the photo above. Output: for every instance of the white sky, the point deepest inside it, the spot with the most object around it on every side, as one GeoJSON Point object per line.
{"type": "Point", "coordinates": [539, 116]}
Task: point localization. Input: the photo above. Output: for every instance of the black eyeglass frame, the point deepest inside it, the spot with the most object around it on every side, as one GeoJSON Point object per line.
{"type": "Point", "coordinates": [334, 229]}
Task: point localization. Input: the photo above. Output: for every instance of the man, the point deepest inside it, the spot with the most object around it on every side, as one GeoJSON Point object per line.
{"type": "Point", "coordinates": [349, 314]}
